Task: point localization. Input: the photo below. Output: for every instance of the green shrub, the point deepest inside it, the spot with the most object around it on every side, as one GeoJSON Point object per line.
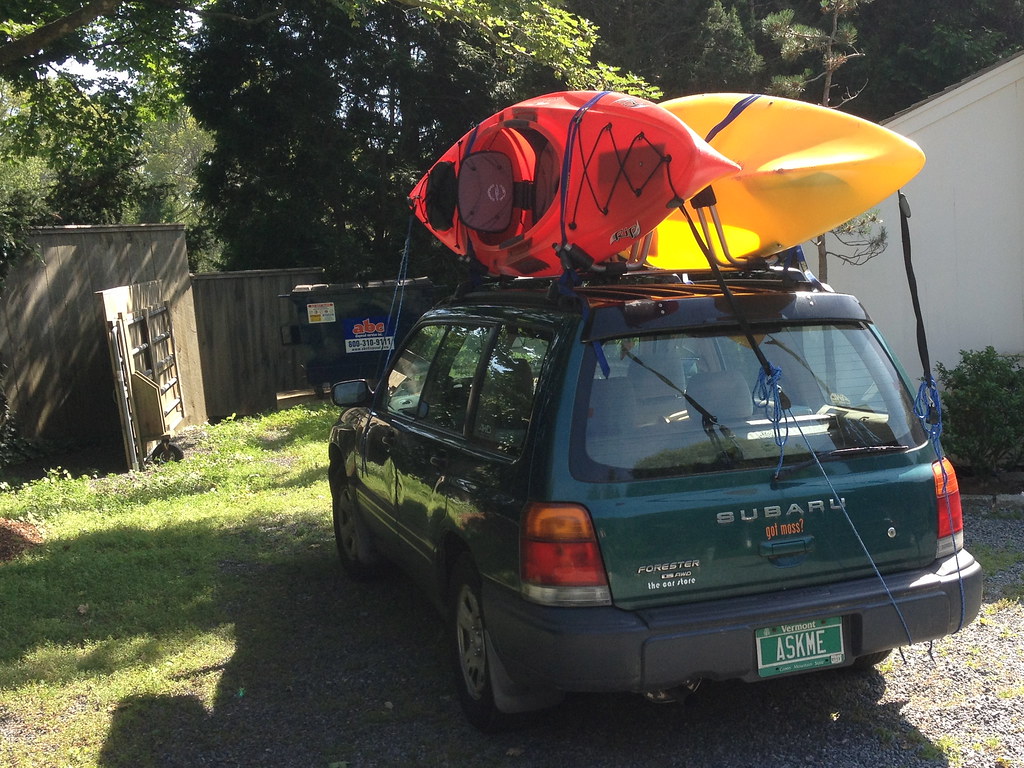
{"type": "Point", "coordinates": [983, 410]}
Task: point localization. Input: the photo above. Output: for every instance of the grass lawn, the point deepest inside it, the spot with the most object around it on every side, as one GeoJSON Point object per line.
{"type": "Point", "coordinates": [135, 599]}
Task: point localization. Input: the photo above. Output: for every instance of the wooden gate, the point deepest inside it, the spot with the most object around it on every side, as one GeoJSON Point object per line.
{"type": "Point", "coordinates": [143, 356]}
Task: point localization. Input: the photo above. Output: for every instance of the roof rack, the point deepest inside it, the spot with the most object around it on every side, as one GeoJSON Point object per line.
{"type": "Point", "coordinates": [543, 291]}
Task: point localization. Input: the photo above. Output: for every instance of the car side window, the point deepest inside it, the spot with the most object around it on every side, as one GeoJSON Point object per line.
{"type": "Point", "coordinates": [449, 384]}
{"type": "Point", "coordinates": [409, 372]}
{"type": "Point", "coordinates": [507, 388]}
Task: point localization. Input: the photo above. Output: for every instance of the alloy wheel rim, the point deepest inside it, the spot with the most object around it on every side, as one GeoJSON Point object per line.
{"type": "Point", "coordinates": [472, 650]}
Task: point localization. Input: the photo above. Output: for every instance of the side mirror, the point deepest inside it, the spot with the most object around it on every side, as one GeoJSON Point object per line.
{"type": "Point", "coordinates": [350, 394]}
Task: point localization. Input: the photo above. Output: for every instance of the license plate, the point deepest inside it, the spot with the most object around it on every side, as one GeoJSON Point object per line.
{"type": "Point", "coordinates": [799, 646]}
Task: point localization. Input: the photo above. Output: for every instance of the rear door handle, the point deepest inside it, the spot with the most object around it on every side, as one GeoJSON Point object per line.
{"type": "Point", "coordinates": [787, 547]}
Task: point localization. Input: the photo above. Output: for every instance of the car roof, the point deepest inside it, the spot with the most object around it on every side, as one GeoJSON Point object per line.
{"type": "Point", "coordinates": [655, 300]}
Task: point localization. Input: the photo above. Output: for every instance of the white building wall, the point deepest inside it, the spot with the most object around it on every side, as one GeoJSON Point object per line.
{"type": "Point", "coordinates": [967, 226]}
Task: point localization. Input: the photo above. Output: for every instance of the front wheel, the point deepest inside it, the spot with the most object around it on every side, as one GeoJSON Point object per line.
{"type": "Point", "coordinates": [355, 549]}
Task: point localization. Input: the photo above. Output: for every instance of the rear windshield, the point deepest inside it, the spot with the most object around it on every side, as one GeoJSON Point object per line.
{"type": "Point", "coordinates": [686, 402]}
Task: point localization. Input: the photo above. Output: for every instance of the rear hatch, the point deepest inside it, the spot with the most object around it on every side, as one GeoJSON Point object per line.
{"type": "Point", "coordinates": [678, 448]}
{"type": "Point", "coordinates": [672, 541]}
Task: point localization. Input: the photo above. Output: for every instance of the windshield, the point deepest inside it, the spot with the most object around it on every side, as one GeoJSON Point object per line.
{"type": "Point", "coordinates": [685, 403]}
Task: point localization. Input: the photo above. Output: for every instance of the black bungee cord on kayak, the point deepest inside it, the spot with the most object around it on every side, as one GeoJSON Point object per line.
{"type": "Point", "coordinates": [570, 256]}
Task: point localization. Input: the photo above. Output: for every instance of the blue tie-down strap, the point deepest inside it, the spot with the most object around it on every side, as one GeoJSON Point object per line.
{"type": "Point", "coordinates": [567, 287]}
{"type": "Point", "coordinates": [928, 407]}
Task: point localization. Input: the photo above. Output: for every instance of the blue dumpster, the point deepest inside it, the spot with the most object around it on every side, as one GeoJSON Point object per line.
{"type": "Point", "coordinates": [349, 328]}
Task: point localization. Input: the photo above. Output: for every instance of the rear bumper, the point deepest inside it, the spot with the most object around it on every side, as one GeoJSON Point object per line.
{"type": "Point", "coordinates": [608, 649]}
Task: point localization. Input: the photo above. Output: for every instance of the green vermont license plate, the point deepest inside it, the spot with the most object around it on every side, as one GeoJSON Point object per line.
{"type": "Point", "coordinates": [799, 646]}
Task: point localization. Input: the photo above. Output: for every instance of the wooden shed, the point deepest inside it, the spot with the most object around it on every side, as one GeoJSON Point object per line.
{"type": "Point", "coordinates": [53, 333]}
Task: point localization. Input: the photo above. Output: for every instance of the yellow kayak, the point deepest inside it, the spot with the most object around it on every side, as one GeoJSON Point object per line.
{"type": "Point", "coordinates": [805, 169]}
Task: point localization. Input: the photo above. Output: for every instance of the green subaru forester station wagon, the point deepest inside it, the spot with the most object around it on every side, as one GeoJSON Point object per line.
{"type": "Point", "coordinates": [601, 495]}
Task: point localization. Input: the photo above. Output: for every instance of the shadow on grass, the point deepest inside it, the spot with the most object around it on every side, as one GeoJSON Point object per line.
{"type": "Point", "coordinates": [319, 667]}
{"type": "Point", "coordinates": [326, 672]}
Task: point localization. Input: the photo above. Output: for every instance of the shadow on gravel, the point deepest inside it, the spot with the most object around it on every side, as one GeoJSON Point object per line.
{"type": "Point", "coordinates": [328, 673]}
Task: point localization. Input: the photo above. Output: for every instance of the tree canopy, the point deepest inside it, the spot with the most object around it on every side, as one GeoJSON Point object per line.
{"type": "Point", "coordinates": [323, 126]}
{"type": "Point", "coordinates": [328, 164]}
{"type": "Point", "coordinates": [313, 118]}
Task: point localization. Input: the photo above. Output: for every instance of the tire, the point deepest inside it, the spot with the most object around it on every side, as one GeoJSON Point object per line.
{"type": "Point", "coordinates": [355, 548]}
{"type": "Point", "coordinates": [468, 644]}
{"type": "Point", "coordinates": [166, 451]}
{"type": "Point", "coordinates": [869, 660]}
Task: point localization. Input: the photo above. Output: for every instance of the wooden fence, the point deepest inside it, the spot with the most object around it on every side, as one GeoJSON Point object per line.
{"type": "Point", "coordinates": [243, 335]}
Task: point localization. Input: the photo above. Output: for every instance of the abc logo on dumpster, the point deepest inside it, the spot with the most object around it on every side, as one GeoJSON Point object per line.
{"type": "Point", "coordinates": [367, 334]}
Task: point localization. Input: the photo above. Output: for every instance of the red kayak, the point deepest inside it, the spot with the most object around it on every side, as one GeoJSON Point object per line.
{"type": "Point", "coordinates": [580, 173]}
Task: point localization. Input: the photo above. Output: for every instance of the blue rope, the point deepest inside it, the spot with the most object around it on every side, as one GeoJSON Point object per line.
{"type": "Point", "coordinates": [397, 299]}
{"type": "Point", "coordinates": [737, 108]}
{"type": "Point", "coordinates": [793, 258]}
{"type": "Point", "coordinates": [928, 408]}
{"type": "Point", "coordinates": [766, 397]}
{"type": "Point", "coordinates": [864, 547]}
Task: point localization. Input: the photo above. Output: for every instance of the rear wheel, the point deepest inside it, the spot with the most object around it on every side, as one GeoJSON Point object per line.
{"type": "Point", "coordinates": [490, 699]}
{"type": "Point", "coordinates": [468, 642]}
{"type": "Point", "coordinates": [869, 660]}
{"type": "Point", "coordinates": [355, 549]}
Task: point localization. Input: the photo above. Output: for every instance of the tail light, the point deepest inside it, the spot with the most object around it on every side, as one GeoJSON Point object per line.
{"type": "Point", "coordinates": [951, 516]}
{"type": "Point", "coordinates": [560, 561]}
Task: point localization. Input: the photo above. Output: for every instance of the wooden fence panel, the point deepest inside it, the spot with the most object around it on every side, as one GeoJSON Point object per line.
{"type": "Point", "coordinates": [240, 317]}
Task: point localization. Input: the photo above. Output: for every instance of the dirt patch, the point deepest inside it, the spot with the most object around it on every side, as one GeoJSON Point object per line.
{"type": "Point", "coordinates": [17, 537]}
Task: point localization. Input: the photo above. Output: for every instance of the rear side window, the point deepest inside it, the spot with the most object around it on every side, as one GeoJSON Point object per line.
{"type": "Point", "coordinates": [685, 403]}
{"type": "Point", "coordinates": [508, 387]}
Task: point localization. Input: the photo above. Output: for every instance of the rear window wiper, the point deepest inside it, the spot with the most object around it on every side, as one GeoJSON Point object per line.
{"type": "Point", "coordinates": [838, 454]}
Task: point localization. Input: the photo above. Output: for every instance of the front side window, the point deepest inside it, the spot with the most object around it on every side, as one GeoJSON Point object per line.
{"type": "Point", "coordinates": [478, 380]}
{"type": "Point", "coordinates": [685, 403]}
{"type": "Point", "coordinates": [432, 376]}
{"type": "Point", "coordinates": [409, 373]}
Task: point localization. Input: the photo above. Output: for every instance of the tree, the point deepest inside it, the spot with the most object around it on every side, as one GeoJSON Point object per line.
{"type": "Point", "coordinates": [92, 133]}
{"type": "Point", "coordinates": [835, 45]}
{"type": "Point", "coordinates": [862, 237]}
{"type": "Point", "coordinates": [139, 37]}
{"type": "Point", "coordinates": [916, 48]}
{"type": "Point", "coordinates": [679, 47]}
{"type": "Point", "coordinates": [321, 128]}
{"type": "Point", "coordinates": [21, 182]}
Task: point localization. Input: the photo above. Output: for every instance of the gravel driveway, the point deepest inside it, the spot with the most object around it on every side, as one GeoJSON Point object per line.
{"type": "Point", "coordinates": [353, 676]}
